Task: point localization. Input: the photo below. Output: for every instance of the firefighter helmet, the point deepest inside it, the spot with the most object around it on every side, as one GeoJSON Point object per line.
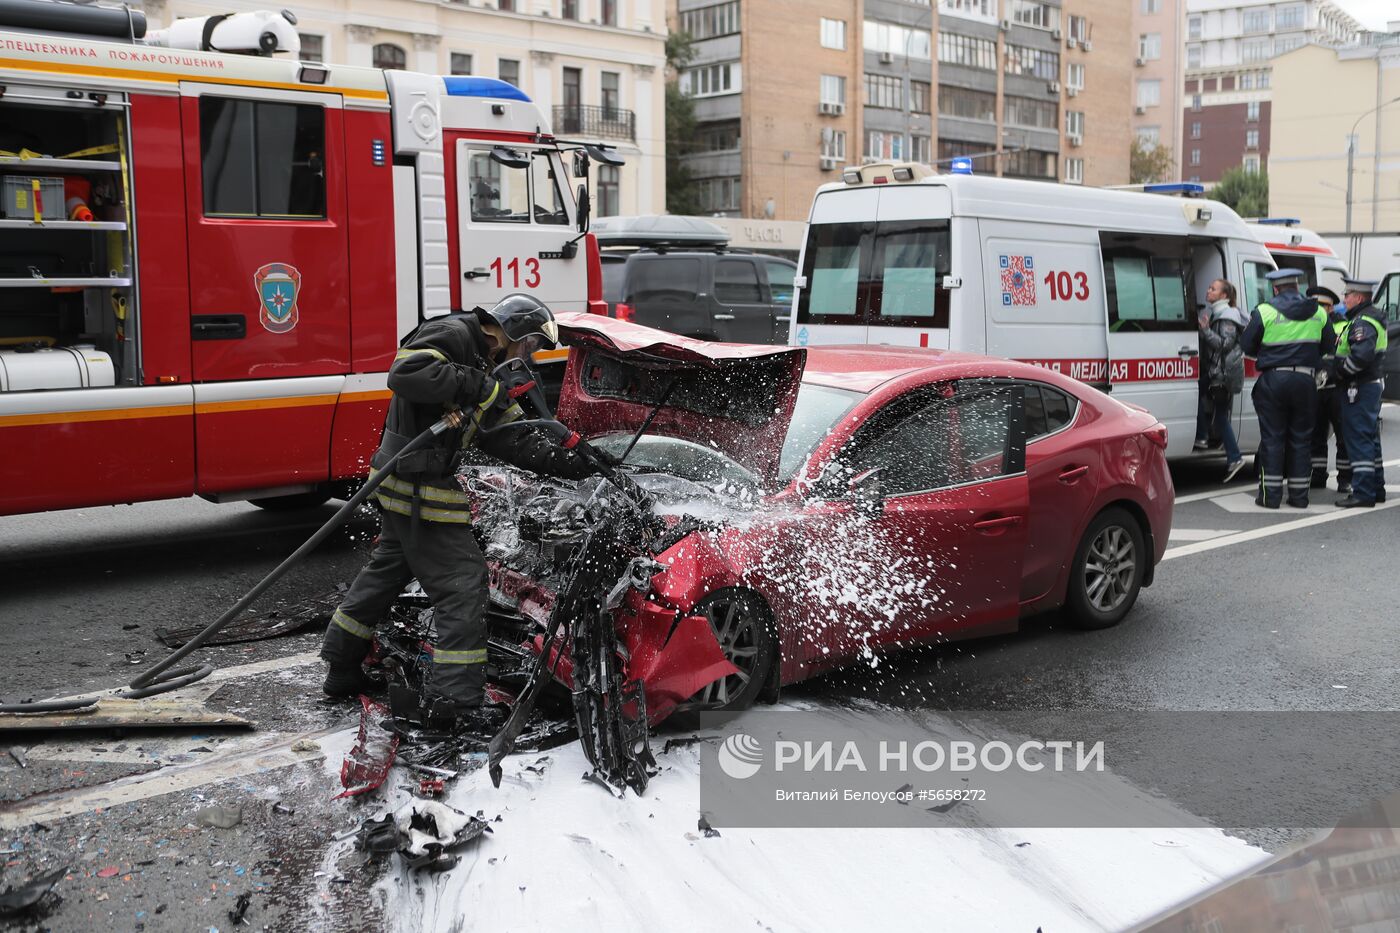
{"type": "Point", "coordinates": [522, 318]}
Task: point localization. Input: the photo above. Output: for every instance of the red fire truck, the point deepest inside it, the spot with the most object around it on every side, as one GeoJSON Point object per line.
{"type": "Point", "coordinates": [207, 259]}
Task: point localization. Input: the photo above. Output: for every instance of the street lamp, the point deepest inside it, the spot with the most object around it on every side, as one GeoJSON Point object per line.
{"type": "Point", "coordinates": [909, 81]}
{"type": "Point", "coordinates": [1351, 151]}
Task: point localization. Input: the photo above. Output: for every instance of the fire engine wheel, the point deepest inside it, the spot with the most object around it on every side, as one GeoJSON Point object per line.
{"type": "Point", "coordinates": [292, 503]}
{"type": "Point", "coordinates": [745, 631]}
{"type": "Point", "coordinates": [1108, 570]}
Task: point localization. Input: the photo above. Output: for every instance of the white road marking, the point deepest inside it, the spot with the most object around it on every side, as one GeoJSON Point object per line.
{"type": "Point", "coordinates": [1197, 534]}
{"type": "Point", "coordinates": [1307, 521]}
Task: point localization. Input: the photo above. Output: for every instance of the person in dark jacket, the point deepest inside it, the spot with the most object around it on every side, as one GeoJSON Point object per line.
{"type": "Point", "coordinates": [1360, 370]}
{"type": "Point", "coordinates": [426, 516]}
{"type": "Point", "coordinates": [1329, 404]}
{"type": "Point", "coordinates": [1288, 337]}
{"type": "Point", "coordinates": [1222, 370]}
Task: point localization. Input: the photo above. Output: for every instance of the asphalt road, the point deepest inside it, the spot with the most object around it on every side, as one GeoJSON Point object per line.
{"type": "Point", "coordinates": [1251, 610]}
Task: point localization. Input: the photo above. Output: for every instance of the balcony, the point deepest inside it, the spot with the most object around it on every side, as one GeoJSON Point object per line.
{"type": "Point", "coordinates": [597, 122]}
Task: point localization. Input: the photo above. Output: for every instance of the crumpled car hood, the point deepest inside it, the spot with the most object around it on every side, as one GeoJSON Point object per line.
{"type": "Point", "coordinates": [736, 398]}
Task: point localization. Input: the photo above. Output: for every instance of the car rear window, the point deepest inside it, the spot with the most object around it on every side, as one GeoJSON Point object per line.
{"type": "Point", "coordinates": [780, 275]}
{"type": "Point", "coordinates": [614, 275]}
{"type": "Point", "coordinates": [666, 278]}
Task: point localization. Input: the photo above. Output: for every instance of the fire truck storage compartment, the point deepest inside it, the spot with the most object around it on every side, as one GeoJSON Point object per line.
{"type": "Point", "coordinates": [67, 306]}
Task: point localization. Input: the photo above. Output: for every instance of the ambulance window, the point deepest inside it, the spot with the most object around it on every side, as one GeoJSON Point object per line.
{"type": "Point", "coordinates": [549, 200]}
{"type": "Point", "coordinates": [1284, 261]}
{"type": "Point", "coordinates": [1145, 279]}
{"type": "Point", "coordinates": [500, 194]}
{"type": "Point", "coordinates": [1256, 289]}
{"type": "Point", "coordinates": [262, 159]}
{"type": "Point", "coordinates": [911, 259]}
{"type": "Point", "coordinates": [833, 273]}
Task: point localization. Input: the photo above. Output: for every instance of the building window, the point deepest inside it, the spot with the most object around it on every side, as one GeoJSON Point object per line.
{"type": "Point", "coordinates": [1149, 92]}
{"type": "Point", "coordinates": [390, 57]}
{"type": "Point", "coordinates": [883, 91]}
{"type": "Point", "coordinates": [895, 39]}
{"type": "Point", "coordinates": [1031, 163]}
{"type": "Point", "coordinates": [1035, 14]}
{"type": "Point", "coordinates": [1193, 27]}
{"type": "Point", "coordinates": [1288, 17]}
{"type": "Point", "coordinates": [1247, 81]}
{"type": "Point", "coordinates": [707, 22]}
{"type": "Point", "coordinates": [967, 51]}
{"type": "Point", "coordinates": [1196, 129]}
{"type": "Point", "coordinates": [1149, 136]}
{"type": "Point", "coordinates": [834, 145]}
{"type": "Point", "coordinates": [969, 105]}
{"type": "Point", "coordinates": [1287, 45]}
{"type": "Point", "coordinates": [719, 194]}
{"type": "Point", "coordinates": [1032, 63]}
{"type": "Point", "coordinates": [262, 159]}
{"type": "Point", "coordinates": [1251, 164]}
{"type": "Point", "coordinates": [1263, 79]}
{"type": "Point", "coordinates": [1193, 56]}
{"type": "Point", "coordinates": [1196, 102]}
{"type": "Point", "coordinates": [921, 149]}
{"type": "Point", "coordinates": [833, 33]}
{"type": "Point", "coordinates": [881, 145]}
{"type": "Point", "coordinates": [1074, 123]}
{"type": "Point", "coordinates": [833, 89]}
{"type": "Point", "coordinates": [460, 63]}
{"type": "Point", "coordinates": [1151, 6]}
{"type": "Point", "coordinates": [1195, 179]}
{"type": "Point", "coordinates": [1074, 76]}
{"type": "Point", "coordinates": [609, 190]}
{"type": "Point", "coordinates": [1074, 171]}
{"type": "Point", "coordinates": [610, 86]}
{"type": "Point", "coordinates": [568, 9]}
{"type": "Point", "coordinates": [1026, 111]}
{"type": "Point", "coordinates": [920, 97]}
{"type": "Point", "coordinates": [983, 9]}
{"type": "Point", "coordinates": [313, 48]}
{"type": "Point", "coordinates": [506, 5]}
{"type": "Point", "coordinates": [1251, 111]}
{"type": "Point", "coordinates": [711, 80]}
{"type": "Point", "coordinates": [508, 70]}
{"type": "Point", "coordinates": [1256, 20]}
{"type": "Point", "coordinates": [1150, 46]}
{"type": "Point", "coordinates": [1079, 28]}
{"type": "Point", "coordinates": [609, 12]}
{"type": "Point", "coordinates": [718, 137]}
{"type": "Point", "coordinates": [1251, 139]}
{"type": "Point", "coordinates": [1195, 157]}
{"type": "Point", "coordinates": [1256, 50]}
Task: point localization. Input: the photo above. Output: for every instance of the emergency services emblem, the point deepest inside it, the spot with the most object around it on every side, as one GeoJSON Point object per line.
{"type": "Point", "coordinates": [1017, 280]}
{"type": "Point", "coordinates": [278, 285]}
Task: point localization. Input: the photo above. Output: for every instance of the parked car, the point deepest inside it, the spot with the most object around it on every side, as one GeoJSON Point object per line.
{"type": "Point", "coordinates": [706, 293]}
{"type": "Point", "coordinates": [812, 508]}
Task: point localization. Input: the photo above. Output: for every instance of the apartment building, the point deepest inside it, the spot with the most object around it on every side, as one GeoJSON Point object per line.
{"type": "Point", "coordinates": [1228, 93]}
{"type": "Point", "coordinates": [1159, 74]}
{"type": "Point", "coordinates": [1325, 97]}
{"type": "Point", "coordinates": [598, 67]}
{"type": "Point", "coordinates": [787, 92]}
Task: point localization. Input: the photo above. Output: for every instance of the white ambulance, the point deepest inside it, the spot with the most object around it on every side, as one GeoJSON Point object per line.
{"type": "Point", "coordinates": [1102, 285]}
{"type": "Point", "coordinates": [1295, 247]}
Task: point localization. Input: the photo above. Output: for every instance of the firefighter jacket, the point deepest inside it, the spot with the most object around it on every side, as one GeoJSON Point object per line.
{"type": "Point", "coordinates": [442, 365]}
{"type": "Point", "coordinates": [1290, 330]}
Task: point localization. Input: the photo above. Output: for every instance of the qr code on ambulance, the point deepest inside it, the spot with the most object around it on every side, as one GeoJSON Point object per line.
{"type": "Point", "coordinates": [1017, 280]}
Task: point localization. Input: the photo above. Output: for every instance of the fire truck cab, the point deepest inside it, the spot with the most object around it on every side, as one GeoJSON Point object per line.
{"type": "Point", "coordinates": [207, 260]}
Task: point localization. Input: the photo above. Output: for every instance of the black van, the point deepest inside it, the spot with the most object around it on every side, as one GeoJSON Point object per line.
{"type": "Point", "coordinates": [712, 294]}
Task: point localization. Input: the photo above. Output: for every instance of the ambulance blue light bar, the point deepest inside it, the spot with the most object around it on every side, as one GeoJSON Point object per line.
{"type": "Point", "coordinates": [1279, 221]}
{"type": "Point", "coordinates": [473, 86]}
{"type": "Point", "coordinates": [1175, 187]}
{"type": "Point", "coordinates": [960, 166]}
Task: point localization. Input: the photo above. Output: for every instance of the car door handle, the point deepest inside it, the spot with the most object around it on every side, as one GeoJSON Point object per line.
{"type": "Point", "coordinates": [1073, 475]}
{"type": "Point", "coordinates": [1189, 351]}
{"type": "Point", "coordinates": [475, 274]}
{"type": "Point", "coordinates": [724, 317]}
{"type": "Point", "coordinates": [218, 327]}
{"type": "Point", "coordinates": [995, 526]}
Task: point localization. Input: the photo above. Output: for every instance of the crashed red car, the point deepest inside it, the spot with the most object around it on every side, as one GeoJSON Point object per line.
{"type": "Point", "coordinates": [823, 506]}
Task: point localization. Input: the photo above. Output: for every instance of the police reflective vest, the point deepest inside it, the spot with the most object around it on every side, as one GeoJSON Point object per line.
{"type": "Point", "coordinates": [1280, 330]}
{"type": "Point", "coordinates": [1344, 347]}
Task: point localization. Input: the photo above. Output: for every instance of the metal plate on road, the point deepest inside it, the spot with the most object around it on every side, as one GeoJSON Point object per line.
{"type": "Point", "coordinates": [151, 713]}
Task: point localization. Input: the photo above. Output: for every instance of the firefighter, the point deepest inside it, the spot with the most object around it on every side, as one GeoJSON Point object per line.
{"type": "Point", "coordinates": [1329, 405]}
{"type": "Point", "coordinates": [1359, 370]}
{"type": "Point", "coordinates": [426, 519]}
{"type": "Point", "coordinates": [1287, 336]}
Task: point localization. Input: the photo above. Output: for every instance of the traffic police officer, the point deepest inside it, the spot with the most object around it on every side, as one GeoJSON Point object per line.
{"type": "Point", "coordinates": [1329, 404]}
{"type": "Point", "coordinates": [1287, 336]}
{"type": "Point", "coordinates": [426, 517]}
{"type": "Point", "coordinates": [1359, 368]}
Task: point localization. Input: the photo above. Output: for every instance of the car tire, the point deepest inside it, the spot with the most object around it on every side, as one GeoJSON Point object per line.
{"type": "Point", "coordinates": [1108, 570]}
{"type": "Point", "coordinates": [744, 627]}
{"type": "Point", "coordinates": [295, 502]}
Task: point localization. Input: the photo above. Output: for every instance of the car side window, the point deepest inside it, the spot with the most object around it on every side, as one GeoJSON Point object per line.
{"type": "Point", "coordinates": [736, 280]}
{"type": "Point", "coordinates": [1047, 411]}
{"type": "Point", "coordinates": [940, 440]}
{"type": "Point", "coordinates": [664, 279]}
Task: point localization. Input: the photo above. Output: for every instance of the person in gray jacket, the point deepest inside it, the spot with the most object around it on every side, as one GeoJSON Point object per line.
{"type": "Point", "coordinates": [1222, 370]}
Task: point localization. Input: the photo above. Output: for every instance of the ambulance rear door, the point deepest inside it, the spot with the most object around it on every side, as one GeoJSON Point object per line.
{"type": "Point", "coordinates": [1044, 297]}
{"type": "Point", "coordinates": [1151, 292]}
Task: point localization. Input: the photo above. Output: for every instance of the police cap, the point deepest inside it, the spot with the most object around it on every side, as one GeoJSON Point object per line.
{"type": "Point", "coordinates": [1363, 286]}
{"type": "Point", "coordinates": [1318, 291]}
{"type": "Point", "coordinates": [1285, 276]}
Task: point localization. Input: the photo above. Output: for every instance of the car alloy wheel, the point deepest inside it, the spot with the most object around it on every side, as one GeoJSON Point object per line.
{"type": "Point", "coordinates": [1110, 568]}
{"type": "Point", "coordinates": [741, 624]}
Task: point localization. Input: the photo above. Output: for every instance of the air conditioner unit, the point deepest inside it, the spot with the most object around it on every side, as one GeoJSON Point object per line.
{"type": "Point", "coordinates": [830, 109]}
{"type": "Point", "coordinates": [1140, 62]}
{"type": "Point", "coordinates": [830, 164]}
{"type": "Point", "coordinates": [1053, 87]}
{"type": "Point", "coordinates": [1072, 91]}
{"type": "Point", "coordinates": [886, 58]}
{"type": "Point", "coordinates": [1087, 46]}
{"type": "Point", "coordinates": [1139, 110]}
{"type": "Point", "coordinates": [1076, 140]}
{"type": "Point", "coordinates": [1005, 25]}
{"type": "Point", "coordinates": [1055, 34]}
{"type": "Point", "coordinates": [1072, 43]}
